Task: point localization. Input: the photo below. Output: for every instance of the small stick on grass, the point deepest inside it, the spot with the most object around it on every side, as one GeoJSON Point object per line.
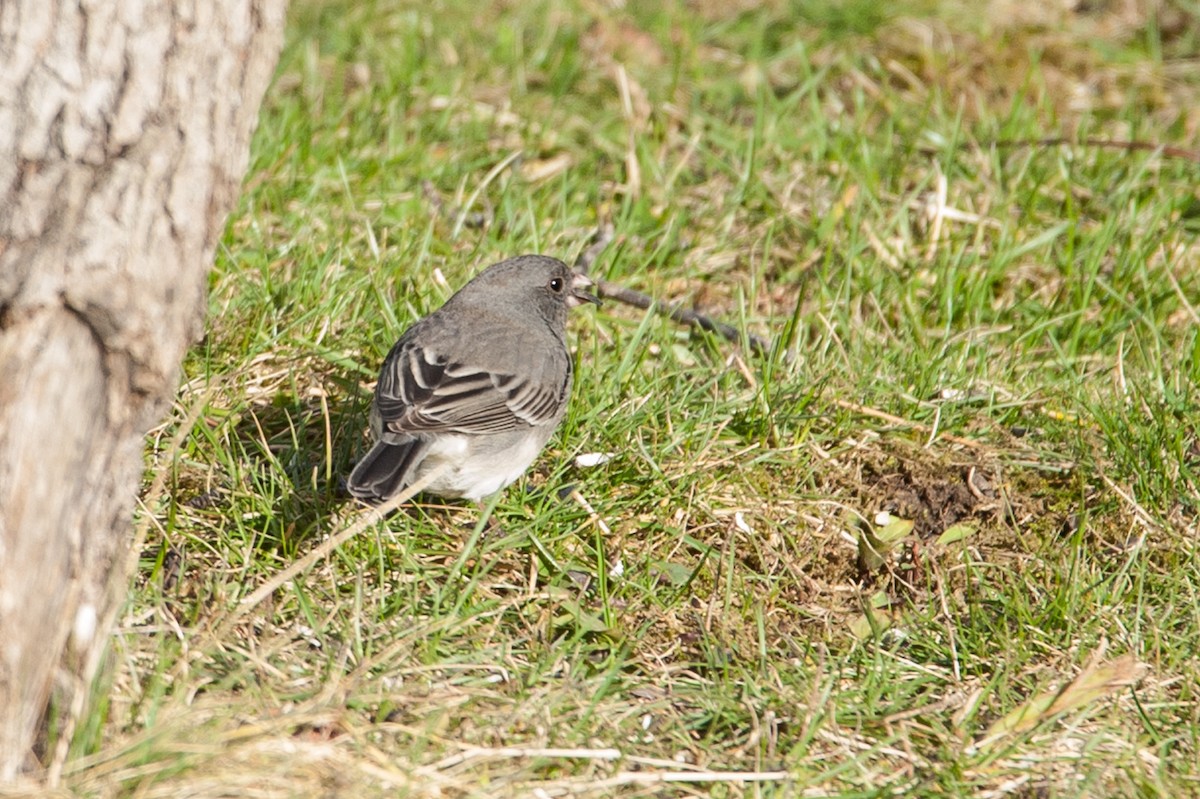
{"type": "Point", "coordinates": [677, 775]}
{"type": "Point", "coordinates": [614, 291]}
{"type": "Point", "coordinates": [1167, 150]}
{"type": "Point", "coordinates": [1111, 144]}
{"type": "Point", "coordinates": [513, 752]}
{"type": "Point", "coordinates": [593, 517]}
{"type": "Point", "coordinates": [650, 778]}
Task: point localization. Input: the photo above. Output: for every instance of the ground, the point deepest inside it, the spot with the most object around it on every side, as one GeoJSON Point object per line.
{"type": "Point", "coordinates": [939, 539]}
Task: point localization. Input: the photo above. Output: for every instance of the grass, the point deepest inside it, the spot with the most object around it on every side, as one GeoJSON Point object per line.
{"type": "Point", "coordinates": [974, 333]}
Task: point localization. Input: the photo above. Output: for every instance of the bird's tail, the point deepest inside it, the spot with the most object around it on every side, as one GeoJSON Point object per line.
{"type": "Point", "coordinates": [384, 471]}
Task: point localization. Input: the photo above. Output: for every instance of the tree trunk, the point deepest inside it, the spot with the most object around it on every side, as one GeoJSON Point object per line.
{"type": "Point", "coordinates": [125, 130]}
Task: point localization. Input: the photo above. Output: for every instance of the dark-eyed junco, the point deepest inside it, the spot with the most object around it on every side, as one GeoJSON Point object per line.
{"type": "Point", "coordinates": [478, 386]}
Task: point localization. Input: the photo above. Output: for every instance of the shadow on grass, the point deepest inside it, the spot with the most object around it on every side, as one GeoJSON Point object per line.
{"type": "Point", "coordinates": [295, 455]}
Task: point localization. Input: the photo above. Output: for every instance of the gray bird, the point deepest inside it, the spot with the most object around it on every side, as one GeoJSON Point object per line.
{"type": "Point", "coordinates": [479, 385]}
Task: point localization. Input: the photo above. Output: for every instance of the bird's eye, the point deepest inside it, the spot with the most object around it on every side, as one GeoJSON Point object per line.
{"type": "Point", "coordinates": [556, 284]}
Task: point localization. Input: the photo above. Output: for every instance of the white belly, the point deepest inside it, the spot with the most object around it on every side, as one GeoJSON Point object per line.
{"type": "Point", "coordinates": [480, 468]}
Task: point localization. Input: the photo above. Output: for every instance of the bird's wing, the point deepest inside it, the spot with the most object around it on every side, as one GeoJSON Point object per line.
{"type": "Point", "coordinates": [421, 391]}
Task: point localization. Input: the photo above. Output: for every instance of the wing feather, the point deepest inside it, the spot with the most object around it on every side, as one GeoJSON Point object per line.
{"type": "Point", "coordinates": [422, 392]}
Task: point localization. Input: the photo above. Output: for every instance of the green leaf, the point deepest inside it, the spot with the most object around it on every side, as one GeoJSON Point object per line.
{"type": "Point", "coordinates": [871, 623]}
{"type": "Point", "coordinates": [895, 531]}
{"type": "Point", "coordinates": [677, 574]}
{"type": "Point", "coordinates": [956, 532]}
{"type": "Point", "coordinates": [873, 547]}
{"type": "Point", "coordinates": [580, 618]}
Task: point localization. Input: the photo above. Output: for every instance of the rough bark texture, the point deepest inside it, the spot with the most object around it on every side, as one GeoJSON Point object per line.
{"type": "Point", "coordinates": [125, 130]}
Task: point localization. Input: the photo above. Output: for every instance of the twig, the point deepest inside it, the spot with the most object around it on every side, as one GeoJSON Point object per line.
{"type": "Point", "coordinates": [612, 291]}
{"type": "Point", "coordinates": [373, 516]}
{"type": "Point", "coordinates": [1112, 144]}
{"type": "Point", "coordinates": [1167, 150]}
{"type": "Point", "coordinates": [1140, 512]}
{"type": "Point", "coordinates": [606, 754]}
{"type": "Point", "coordinates": [643, 778]}
{"type": "Point", "coordinates": [593, 517]}
{"type": "Point", "coordinates": [518, 752]}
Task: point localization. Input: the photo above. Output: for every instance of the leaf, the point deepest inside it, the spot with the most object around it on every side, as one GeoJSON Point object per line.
{"type": "Point", "coordinates": [895, 531]}
{"type": "Point", "coordinates": [587, 622]}
{"type": "Point", "coordinates": [683, 355]}
{"type": "Point", "coordinates": [1094, 683]}
{"type": "Point", "coordinates": [955, 533]}
{"type": "Point", "coordinates": [873, 547]}
{"type": "Point", "coordinates": [870, 559]}
{"type": "Point", "coordinates": [872, 622]}
{"type": "Point", "coordinates": [880, 600]}
{"type": "Point", "coordinates": [676, 574]}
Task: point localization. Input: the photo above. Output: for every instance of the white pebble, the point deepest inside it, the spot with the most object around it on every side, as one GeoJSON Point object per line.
{"type": "Point", "coordinates": [589, 459]}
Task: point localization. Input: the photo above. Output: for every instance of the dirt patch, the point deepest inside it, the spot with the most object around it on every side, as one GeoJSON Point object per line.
{"type": "Point", "coordinates": [934, 496]}
{"type": "Point", "coordinates": [996, 505]}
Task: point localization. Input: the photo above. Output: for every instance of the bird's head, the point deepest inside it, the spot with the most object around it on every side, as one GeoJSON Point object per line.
{"type": "Point", "coordinates": [531, 281]}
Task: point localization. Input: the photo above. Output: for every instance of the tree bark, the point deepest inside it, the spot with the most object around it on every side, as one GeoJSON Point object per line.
{"type": "Point", "coordinates": [125, 130]}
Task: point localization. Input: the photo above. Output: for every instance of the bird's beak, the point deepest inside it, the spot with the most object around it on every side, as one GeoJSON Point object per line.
{"type": "Point", "coordinates": [578, 296]}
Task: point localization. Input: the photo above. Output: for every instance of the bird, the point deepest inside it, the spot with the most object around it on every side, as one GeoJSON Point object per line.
{"type": "Point", "coordinates": [475, 389]}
